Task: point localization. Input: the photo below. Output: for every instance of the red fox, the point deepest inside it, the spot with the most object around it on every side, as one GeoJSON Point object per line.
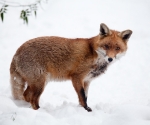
{"type": "Point", "coordinates": [80, 60]}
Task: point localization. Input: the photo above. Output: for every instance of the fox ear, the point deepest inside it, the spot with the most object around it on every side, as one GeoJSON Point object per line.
{"type": "Point", "coordinates": [125, 35]}
{"type": "Point", "coordinates": [104, 30]}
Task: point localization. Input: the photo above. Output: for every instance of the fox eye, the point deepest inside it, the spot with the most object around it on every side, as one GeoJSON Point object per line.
{"type": "Point", "coordinates": [106, 47]}
{"type": "Point", "coordinates": [117, 48]}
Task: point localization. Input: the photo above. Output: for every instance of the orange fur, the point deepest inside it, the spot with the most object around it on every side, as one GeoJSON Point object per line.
{"type": "Point", "coordinates": [56, 58]}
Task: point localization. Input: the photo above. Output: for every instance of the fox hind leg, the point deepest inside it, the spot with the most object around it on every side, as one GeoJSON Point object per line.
{"type": "Point", "coordinates": [27, 94]}
{"type": "Point", "coordinates": [35, 95]}
{"type": "Point", "coordinates": [33, 92]}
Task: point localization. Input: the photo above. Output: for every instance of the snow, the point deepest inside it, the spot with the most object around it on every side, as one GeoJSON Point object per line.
{"type": "Point", "coordinates": [119, 97]}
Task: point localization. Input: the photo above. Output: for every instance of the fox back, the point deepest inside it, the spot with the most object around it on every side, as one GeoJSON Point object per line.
{"type": "Point", "coordinates": [80, 60]}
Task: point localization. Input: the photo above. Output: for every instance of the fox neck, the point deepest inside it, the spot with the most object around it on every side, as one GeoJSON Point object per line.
{"type": "Point", "coordinates": [100, 53]}
{"type": "Point", "coordinates": [93, 44]}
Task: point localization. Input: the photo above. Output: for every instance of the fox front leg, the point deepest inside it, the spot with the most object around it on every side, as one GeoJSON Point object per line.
{"type": "Point", "coordinates": [81, 93]}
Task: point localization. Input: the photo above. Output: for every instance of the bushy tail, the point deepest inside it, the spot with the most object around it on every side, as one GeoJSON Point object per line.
{"type": "Point", "coordinates": [17, 82]}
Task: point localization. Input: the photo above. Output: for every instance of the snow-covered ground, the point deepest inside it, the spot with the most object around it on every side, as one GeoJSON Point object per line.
{"type": "Point", "coordinates": [119, 97]}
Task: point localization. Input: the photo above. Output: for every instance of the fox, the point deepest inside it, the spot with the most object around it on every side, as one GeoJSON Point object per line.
{"type": "Point", "coordinates": [52, 58]}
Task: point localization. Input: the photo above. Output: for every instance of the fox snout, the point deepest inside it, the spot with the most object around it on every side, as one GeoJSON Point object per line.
{"type": "Point", "coordinates": [110, 59]}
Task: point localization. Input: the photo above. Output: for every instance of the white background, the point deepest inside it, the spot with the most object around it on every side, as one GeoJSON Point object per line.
{"type": "Point", "coordinates": [119, 97]}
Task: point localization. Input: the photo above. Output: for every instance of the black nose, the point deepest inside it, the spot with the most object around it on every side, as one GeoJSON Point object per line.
{"type": "Point", "coordinates": [110, 59]}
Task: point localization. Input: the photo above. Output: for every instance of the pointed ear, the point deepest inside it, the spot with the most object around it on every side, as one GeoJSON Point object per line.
{"type": "Point", "coordinates": [125, 35]}
{"type": "Point", "coordinates": [104, 30]}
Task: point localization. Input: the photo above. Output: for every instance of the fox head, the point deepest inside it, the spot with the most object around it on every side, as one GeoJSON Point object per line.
{"type": "Point", "coordinates": [112, 44]}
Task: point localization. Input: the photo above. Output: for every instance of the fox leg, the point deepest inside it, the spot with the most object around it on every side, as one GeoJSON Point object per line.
{"type": "Point", "coordinates": [86, 88]}
{"type": "Point", "coordinates": [36, 93]}
{"type": "Point", "coordinates": [33, 92]}
{"type": "Point", "coordinates": [27, 94]}
{"type": "Point", "coordinates": [78, 85]}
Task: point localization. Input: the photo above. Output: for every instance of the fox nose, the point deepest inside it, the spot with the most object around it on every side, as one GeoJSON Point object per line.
{"type": "Point", "coordinates": [110, 59]}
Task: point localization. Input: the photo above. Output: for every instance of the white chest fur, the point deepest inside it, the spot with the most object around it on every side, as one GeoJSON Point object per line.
{"type": "Point", "coordinates": [97, 69]}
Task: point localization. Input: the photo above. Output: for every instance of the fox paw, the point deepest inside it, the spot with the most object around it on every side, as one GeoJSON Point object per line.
{"type": "Point", "coordinates": [88, 109]}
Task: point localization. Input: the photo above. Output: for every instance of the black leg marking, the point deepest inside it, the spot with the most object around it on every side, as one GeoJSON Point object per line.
{"type": "Point", "coordinates": [83, 95]}
{"type": "Point", "coordinates": [85, 100]}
